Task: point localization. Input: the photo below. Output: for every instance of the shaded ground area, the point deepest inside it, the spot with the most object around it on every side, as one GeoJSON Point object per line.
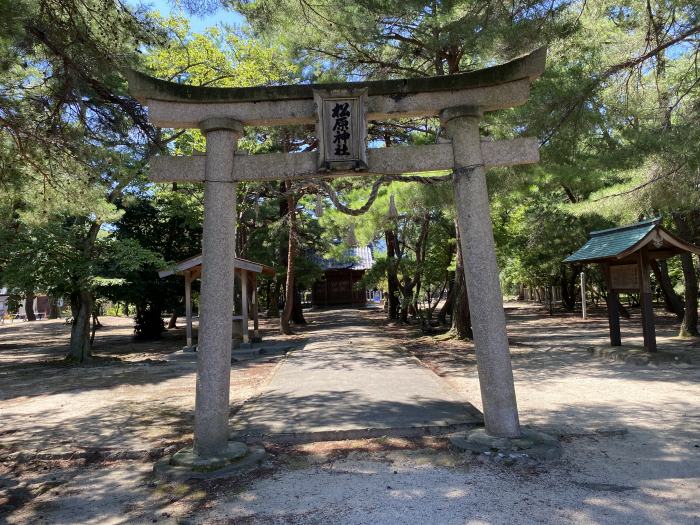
{"type": "Point", "coordinates": [65, 427]}
{"type": "Point", "coordinates": [351, 380]}
{"type": "Point", "coordinates": [130, 398]}
{"type": "Point", "coordinates": [631, 437]}
{"type": "Point", "coordinates": [41, 342]}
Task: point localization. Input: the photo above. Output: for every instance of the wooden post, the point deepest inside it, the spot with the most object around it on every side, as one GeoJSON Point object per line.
{"type": "Point", "coordinates": [645, 301]}
{"type": "Point", "coordinates": [188, 307]}
{"type": "Point", "coordinates": [583, 294]}
{"type": "Point", "coordinates": [613, 311]}
{"type": "Point", "coordinates": [256, 333]}
{"type": "Point", "coordinates": [244, 305]}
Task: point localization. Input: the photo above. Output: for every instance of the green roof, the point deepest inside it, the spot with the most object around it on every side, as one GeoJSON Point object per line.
{"type": "Point", "coordinates": [614, 241]}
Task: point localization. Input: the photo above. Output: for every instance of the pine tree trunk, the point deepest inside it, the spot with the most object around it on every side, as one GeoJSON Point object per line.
{"type": "Point", "coordinates": [689, 325]}
{"type": "Point", "coordinates": [461, 318]}
{"type": "Point", "coordinates": [81, 308]}
{"type": "Point", "coordinates": [673, 303]}
{"type": "Point", "coordinates": [393, 298]}
{"type": "Point", "coordinates": [274, 311]}
{"type": "Point", "coordinates": [624, 312]}
{"type": "Point", "coordinates": [568, 287]}
{"type": "Point", "coordinates": [408, 284]}
{"type": "Point", "coordinates": [95, 324]}
{"type": "Point", "coordinates": [29, 307]}
{"type": "Point", "coordinates": [297, 308]}
{"type": "Point", "coordinates": [53, 308]}
{"type": "Point", "coordinates": [449, 301]}
{"type": "Point", "coordinates": [273, 299]}
{"type": "Point", "coordinates": [415, 309]}
{"type": "Point", "coordinates": [391, 276]}
{"type": "Point", "coordinates": [567, 300]}
{"type": "Point", "coordinates": [291, 255]}
{"type": "Point", "coordinates": [81, 303]}
{"type": "Point", "coordinates": [405, 301]}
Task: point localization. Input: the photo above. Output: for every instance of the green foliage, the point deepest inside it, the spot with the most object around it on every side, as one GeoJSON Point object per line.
{"type": "Point", "coordinates": [373, 38]}
{"type": "Point", "coordinates": [616, 114]}
{"type": "Point", "coordinates": [421, 263]}
{"type": "Point", "coordinates": [219, 57]}
{"type": "Point", "coordinates": [50, 257]}
{"type": "Point", "coordinates": [616, 111]}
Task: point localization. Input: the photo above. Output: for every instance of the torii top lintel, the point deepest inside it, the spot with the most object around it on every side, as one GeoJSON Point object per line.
{"type": "Point", "coordinates": [184, 106]}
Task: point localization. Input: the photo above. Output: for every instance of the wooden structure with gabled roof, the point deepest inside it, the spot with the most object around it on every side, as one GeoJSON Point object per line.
{"type": "Point", "coordinates": [624, 254]}
{"type": "Point", "coordinates": [247, 271]}
{"type": "Point", "coordinates": [341, 277]}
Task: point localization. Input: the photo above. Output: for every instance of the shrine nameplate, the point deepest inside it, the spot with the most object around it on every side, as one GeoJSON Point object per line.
{"type": "Point", "coordinates": [341, 129]}
{"type": "Point", "coordinates": [624, 277]}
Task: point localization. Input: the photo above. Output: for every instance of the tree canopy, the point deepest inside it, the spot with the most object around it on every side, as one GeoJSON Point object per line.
{"type": "Point", "coordinates": [615, 114]}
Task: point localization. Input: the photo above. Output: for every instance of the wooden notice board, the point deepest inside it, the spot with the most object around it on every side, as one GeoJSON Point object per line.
{"type": "Point", "coordinates": [625, 277]}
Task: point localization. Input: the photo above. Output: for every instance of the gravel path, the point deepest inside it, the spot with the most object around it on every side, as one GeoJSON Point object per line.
{"type": "Point", "coordinates": [351, 380]}
{"type": "Point", "coordinates": [631, 439]}
{"type": "Point", "coordinates": [427, 487]}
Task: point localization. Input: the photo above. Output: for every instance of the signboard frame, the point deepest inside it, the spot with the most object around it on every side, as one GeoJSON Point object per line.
{"type": "Point", "coordinates": [330, 112]}
{"type": "Point", "coordinates": [625, 277]}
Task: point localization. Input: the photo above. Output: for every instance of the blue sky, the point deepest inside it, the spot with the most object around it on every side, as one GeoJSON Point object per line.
{"type": "Point", "coordinates": [198, 23]}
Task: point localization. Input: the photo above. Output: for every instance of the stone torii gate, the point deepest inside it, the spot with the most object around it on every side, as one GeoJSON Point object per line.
{"type": "Point", "coordinates": [340, 112]}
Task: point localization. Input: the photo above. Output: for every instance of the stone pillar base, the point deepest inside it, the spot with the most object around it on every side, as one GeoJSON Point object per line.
{"type": "Point", "coordinates": [531, 444]}
{"type": "Point", "coordinates": [236, 459]}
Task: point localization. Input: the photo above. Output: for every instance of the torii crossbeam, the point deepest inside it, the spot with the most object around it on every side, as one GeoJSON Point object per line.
{"type": "Point", "coordinates": [341, 112]}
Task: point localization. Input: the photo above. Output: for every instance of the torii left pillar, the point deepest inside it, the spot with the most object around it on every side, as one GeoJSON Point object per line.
{"type": "Point", "coordinates": [211, 431]}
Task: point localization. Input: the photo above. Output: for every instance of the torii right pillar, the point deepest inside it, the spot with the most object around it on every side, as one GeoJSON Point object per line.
{"type": "Point", "coordinates": [481, 273]}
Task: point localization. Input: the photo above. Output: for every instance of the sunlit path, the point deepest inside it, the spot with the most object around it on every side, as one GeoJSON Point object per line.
{"type": "Point", "coordinates": [351, 380]}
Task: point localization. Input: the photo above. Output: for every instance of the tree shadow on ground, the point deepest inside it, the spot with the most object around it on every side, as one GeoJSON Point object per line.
{"type": "Point", "coordinates": [545, 348]}
{"type": "Point", "coordinates": [77, 493]}
{"type": "Point", "coordinates": [275, 413]}
{"type": "Point", "coordinates": [615, 469]}
{"type": "Point", "coordinates": [129, 424]}
{"type": "Point", "coordinates": [607, 475]}
{"type": "Point", "coordinates": [43, 382]}
{"type": "Point", "coordinates": [644, 448]}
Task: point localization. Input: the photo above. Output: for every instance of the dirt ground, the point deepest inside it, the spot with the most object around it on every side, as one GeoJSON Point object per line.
{"type": "Point", "coordinates": [77, 444]}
